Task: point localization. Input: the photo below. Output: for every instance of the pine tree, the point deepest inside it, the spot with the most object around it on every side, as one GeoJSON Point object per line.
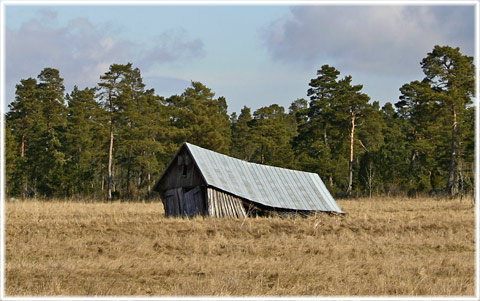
{"type": "Point", "coordinates": [336, 107]}
{"type": "Point", "coordinates": [271, 131]}
{"type": "Point", "coordinates": [437, 109]}
{"type": "Point", "coordinates": [317, 133]}
{"type": "Point", "coordinates": [85, 138]}
{"type": "Point", "coordinates": [242, 145]}
{"type": "Point", "coordinates": [354, 102]}
{"type": "Point", "coordinates": [50, 153]}
{"type": "Point", "coordinates": [201, 119]}
{"type": "Point", "coordinates": [392, 158]}
{"type": "Point", "coordinates": [451, 77]}
{"type": "Point", "coordinates": [142, 141]}
{"type": "Point", "coordinates": [23, 123]}
{"type": "Point", "coordinates": [37, 120]}
{"type": "Point", "coordinates": [370, 140]}
{"type": "Point", "coordinates": [115, 93]}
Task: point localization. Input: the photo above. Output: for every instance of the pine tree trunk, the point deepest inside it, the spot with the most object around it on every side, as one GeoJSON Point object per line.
{"type": "Point", "coordinates": [148, 179]}
{"type": "Point", "coordinates": [129, 173]}
{"type": "Point", "coordinates": [350, 163]}
{"type": "Point", "coordinates": [325, 137]}
{"type": "Point", "coordinates": [22, 155]}
{"type": "Point", "coordinates": [22, 150]}
{"type": "Point", "coordinates": [452, 184]}
{"type": "Point", "coordinates": [110, 160]}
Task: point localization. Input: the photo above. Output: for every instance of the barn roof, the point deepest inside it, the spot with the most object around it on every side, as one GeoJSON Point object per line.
{"type": "Point", "coordinates": [271, 186]}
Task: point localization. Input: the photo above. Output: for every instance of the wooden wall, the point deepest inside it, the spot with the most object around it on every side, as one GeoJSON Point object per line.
{"type": "Point", "coordinates": [221, 204]}
{"type": "Point", "coordinates": [181, 173]}
{"type": "Point", "coordinates": [179, 202]}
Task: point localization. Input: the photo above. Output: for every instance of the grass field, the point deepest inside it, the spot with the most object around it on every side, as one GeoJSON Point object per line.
{"type": "Point", "coordinates": [382, 247]}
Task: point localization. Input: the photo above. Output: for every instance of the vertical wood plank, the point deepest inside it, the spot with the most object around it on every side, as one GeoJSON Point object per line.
{"type": "Point", "coordinates": [214, 203]}
{"type": "Point", "coordinates": [217, 207]}
{"type": "Point", "coordinates": [227, 205]}
{"type": "Point", "coordinates": [242, 209]}
{"type": "Point", "coordinates": [237, 207]}
{"type": "Point", "coordinates": [222, 204]}
{"type": "Point", "coordinates": [209, 203]}
{"type": "Point", "coordinates": [180, 201]}
{"type": "Point", "coordinates": [232, 205]}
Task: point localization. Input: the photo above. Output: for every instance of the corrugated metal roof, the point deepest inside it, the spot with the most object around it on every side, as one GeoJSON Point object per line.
{"type": "Point", "coordinates": [271, 186]}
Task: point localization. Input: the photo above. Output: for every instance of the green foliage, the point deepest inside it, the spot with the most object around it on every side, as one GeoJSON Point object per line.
{"type": "Point", "coordinates": [337, 109]}
{"type": "Point", "coordinates": [437, 110]}
{"type": "Point", "coordinates": [424, 141]}
{"type": "Point", "coordinates": [243, 146]}
{"type": "Point", "coordinates": [85, 140]}
{"type": "Point", "coordinates": [271, 131]}
{"type": "Point", "coordinates": [201, 119]}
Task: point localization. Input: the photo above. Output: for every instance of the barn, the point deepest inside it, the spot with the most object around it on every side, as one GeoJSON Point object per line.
{"type": "Point", "coordinates": [203, 182]}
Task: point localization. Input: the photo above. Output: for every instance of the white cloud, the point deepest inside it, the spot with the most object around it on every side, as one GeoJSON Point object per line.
{"type": "Point", "coordinates": [83, 51]}
{"type": "Point", "coordinates": [380, 39]}
{"type": "Point", "coordinates": [172, 45]}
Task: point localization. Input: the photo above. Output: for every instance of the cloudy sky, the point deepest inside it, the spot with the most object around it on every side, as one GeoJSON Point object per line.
{"type": "Point", "coordinates": [253, 55]}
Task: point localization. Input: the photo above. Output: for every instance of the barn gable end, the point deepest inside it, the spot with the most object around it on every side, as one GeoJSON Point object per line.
{"type": "Point", "coordinates": [182, 187]}
{"type": "Point", "coordinates": [181, 172]}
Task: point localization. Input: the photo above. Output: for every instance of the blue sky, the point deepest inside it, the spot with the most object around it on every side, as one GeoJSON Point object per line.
{"type": "Point", "coordinates": [252, 55]}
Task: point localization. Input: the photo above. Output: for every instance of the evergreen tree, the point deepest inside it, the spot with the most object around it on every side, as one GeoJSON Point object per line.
{"type": "Point", "coordinates": [437, 109]}
{"type": "Point", "coordinates": [336, 107]}
{"type": "Point", "coordinates": [201, 119]}
{"type": "Point", "coordinates": [143, 143]}
{"type": "Point", "coordinates": [354, 102]}
{"type": "Point", "coordinates": [451, 77]}
{"type": "Point", "coordinates": [271, 132]}
{"type": "Point", "coordinates": [242, 144]}
{"type": "Point", "coordinates": [37, 120]}
{"type": "Point", "coordinates": [50, 153]}
{"type": "Point", "coordinates": [426, 124]}
{"type": "Point", "coordinates": [317, 132]}
{"type": "Point", "coordinates": [23, 123]}
{"type": "Point", "coordinates": [85, 138]}
{"type": "Point", "coordinates": [117, 86]}
{"type": "Point", "coordinates": [392, 158]}
{"type": "Point", "coordinates": [370, 140]}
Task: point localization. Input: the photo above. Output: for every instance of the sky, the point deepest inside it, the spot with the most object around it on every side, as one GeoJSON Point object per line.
{"type": "Point", "coordinates": [252, 55]}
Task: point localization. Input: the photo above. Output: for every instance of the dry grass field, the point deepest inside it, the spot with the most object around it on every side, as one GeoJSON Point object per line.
{"type": "Point", "coordinates": [382, 247]}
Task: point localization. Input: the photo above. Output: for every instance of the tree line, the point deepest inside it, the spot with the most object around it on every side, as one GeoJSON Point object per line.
{"type": "Point", "coordinates": [114, 140]}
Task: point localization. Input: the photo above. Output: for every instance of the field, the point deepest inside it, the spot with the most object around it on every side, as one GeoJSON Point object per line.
{"type": "Point", "coordinates": [389, 246]}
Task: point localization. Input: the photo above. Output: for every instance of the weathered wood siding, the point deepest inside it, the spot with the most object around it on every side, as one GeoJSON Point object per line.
{"type": "Point", "coordinates": [221, 204]}
{"type": "Point", "coordinates": [181, 173]}
{"type": "Point", "coordinates": [171, 202]}
{"type": "Point", "coordinates": [178, 202]}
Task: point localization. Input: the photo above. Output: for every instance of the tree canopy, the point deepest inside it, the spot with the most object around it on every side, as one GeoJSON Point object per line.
{"type": "Point", "coordinates": [115, 139]}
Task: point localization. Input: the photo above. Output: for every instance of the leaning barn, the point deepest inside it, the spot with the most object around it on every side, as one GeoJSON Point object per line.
{"type": "Point", "coordinates": [202, 182]}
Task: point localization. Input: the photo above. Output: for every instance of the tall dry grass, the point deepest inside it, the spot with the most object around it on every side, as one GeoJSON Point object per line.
{"type": "Point", "coordinates": [382, 247]}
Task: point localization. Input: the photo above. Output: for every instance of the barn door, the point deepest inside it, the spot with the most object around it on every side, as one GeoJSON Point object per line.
{"type": "Point", "coordinates": [193, 203]}
{"type": "Point", "coordinates": [173, 202]}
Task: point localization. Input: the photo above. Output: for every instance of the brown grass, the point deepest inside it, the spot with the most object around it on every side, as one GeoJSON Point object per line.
{"type": "Point", "coordinates": [382, 247]}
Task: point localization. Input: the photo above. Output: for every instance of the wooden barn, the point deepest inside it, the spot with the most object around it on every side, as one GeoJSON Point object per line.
{"type": "Point", "coordinates": [202, 182]}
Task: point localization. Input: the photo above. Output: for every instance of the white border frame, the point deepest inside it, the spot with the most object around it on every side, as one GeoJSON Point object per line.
{"type": "Point", "coordinates": [5, 3]}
